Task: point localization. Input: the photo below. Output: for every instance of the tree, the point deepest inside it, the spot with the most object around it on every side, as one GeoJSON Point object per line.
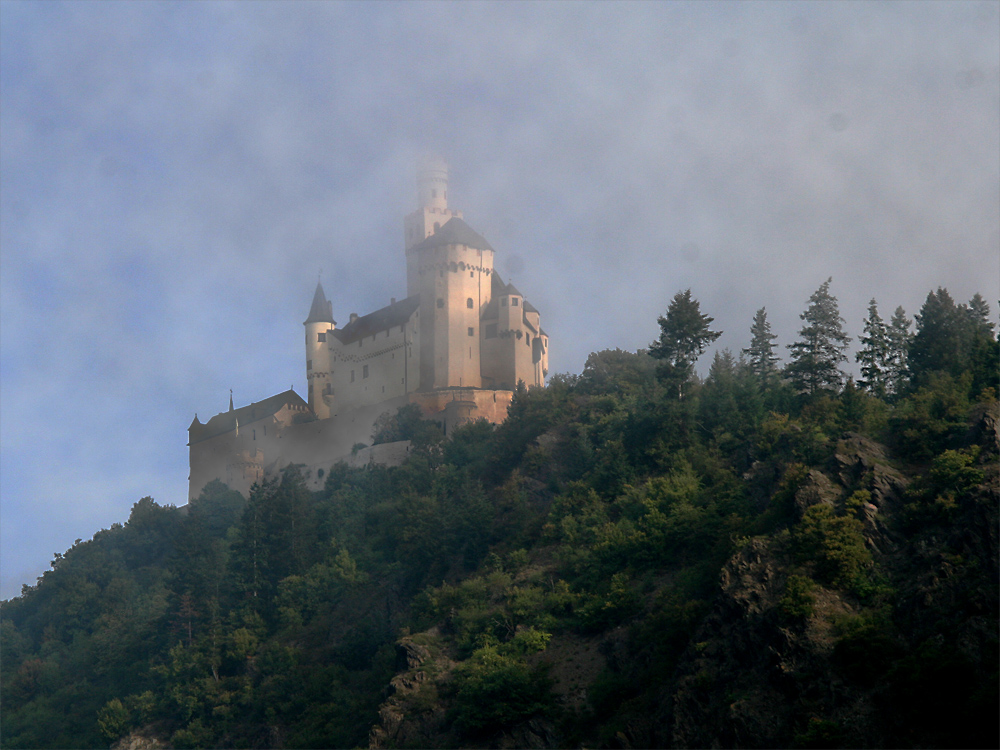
{"type": "Point", "coordinates": [899, 347]}
{"type": "Point", "coordinates": [937, 345]}
{"type": "Point", "coordinates": [760, 354]}
{"type": "Point", "coordinates": [816, 358]}
{"type": "Point", "coordinates": [954, 339]}
{"type": "Point", "coordinates": [876, 353]}
{"type": "Point", "coordinates": [684, 336]}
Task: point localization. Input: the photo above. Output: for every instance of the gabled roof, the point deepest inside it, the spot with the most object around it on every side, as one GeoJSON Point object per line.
{"type": "Point", "coordinates": [227, 420]}
{"type": "Point", "coordinates": [321, 310]}
{"type": "Point", "coordinates": [455, 232]}
{"type": "Point", "coordinates": [381, 320]}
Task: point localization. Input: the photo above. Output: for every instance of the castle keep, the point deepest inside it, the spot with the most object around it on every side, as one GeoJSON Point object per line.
{"type": "Point", "coordinates": [457, 346]}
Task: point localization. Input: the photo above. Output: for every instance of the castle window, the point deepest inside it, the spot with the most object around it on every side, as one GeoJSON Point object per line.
{"type": "Point", "coordinates": [309, 364]}
{"type": "Point", "coordinates": [514, 302]}
{"type": "Point", "coordinates": [469, 303]}
{"type": "Point", "coordinates": [472, 274]}
{"type": "Point", "coordinates": [364, 371]}
{"type": "Point", "coordinates": [472, 331]}
{"type": "Point", "coordinates": [491, 331]}
{"type": "Point", "coordinates": [529, 339]}
{"type": "Point", "coordinates": [437, 225]}
{"type": "Point", "coordinates": [321, 337]}
{"type": "Point", "coordinates": [255, 434]}
{"type": "Point", "coordinates": [440, 303]}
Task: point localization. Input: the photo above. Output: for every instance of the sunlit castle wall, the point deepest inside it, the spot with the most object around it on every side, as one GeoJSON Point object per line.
{"type": "Point", "coordinates": [372, 364]}
{"type": "Point", "coordinates": [513, 347]}
{"type": "Point", "coordinates": [454, 286]}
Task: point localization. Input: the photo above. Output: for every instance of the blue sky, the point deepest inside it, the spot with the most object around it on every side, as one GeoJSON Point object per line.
{"type": "Point", "coordinates": [175, 175]}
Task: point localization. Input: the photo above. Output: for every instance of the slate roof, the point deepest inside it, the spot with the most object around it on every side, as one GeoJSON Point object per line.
{"type": "Point", "coordinates": [226, 421]}
{"type": "Point", "coordinates": [455, 232]}
{"type": "Point", "coordinates": [321, 310]}
{"type": "Point", "coordinates": [381, 320]}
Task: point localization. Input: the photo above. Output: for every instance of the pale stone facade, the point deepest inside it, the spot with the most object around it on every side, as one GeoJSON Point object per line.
{"type": "Point", "coordinates": [458, 346]}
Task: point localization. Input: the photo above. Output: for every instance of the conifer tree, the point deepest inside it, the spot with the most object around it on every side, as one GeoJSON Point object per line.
{"type": "Point", "coordinates": [937, 344]}
{"type": "Point", "coordinates": [876, 353]}
{"type": "Point", "coordinates": [684, 336]}
{"type": "Point", "coordinates": [816, 358]}
{"type": "Point", "coordinates": [899, 346]}
{"type": "Point", "coordinates": [760, 354]}
{"type": "Point", "coordinates": [979, 313]}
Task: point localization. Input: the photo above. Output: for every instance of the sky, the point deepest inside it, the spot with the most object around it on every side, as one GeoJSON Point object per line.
{"type": "Point", "coordinates": [175, 176]}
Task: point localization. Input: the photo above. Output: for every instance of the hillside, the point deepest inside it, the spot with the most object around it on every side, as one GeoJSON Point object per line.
{"type": "Point", "coordinates": [635, 558]}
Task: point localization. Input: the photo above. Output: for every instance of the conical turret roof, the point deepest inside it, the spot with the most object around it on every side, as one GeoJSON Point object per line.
{"type": "Point", "coordinates": [321, 310]}
{"type": "Point", "coordinates": [455, 232]}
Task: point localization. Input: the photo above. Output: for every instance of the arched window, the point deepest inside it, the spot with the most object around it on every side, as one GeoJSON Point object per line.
{"type": "Point", "coordinates": [469, 303]}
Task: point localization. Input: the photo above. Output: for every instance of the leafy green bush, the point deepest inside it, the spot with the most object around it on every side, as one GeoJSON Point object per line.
{"type": "Point", "coordinates": [496, 688]}
{"type": "Point", "coordinates": [798, 600]}
{"type": "Point", "coordinates": [833, 545]}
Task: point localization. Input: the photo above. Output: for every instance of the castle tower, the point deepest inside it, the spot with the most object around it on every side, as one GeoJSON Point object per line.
{"type": "Point", "coordinates": [319, 326]}
{"type": "Point", "coordinates": [432, 212]}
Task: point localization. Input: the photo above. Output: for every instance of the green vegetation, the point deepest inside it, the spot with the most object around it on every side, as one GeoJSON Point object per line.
{"type": "Point", "coordinates": [636, 557]}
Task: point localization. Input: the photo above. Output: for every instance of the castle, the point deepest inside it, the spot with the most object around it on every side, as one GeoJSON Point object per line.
{"type": "Point", "coordinates": [457, 345]}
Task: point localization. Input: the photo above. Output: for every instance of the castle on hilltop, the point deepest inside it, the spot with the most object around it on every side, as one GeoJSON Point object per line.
{"type": "Point", "coordinates": [457, 346]}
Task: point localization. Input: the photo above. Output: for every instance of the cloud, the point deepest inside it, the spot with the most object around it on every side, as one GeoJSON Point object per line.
{"type": "Point", "coordinates": [176, 175]}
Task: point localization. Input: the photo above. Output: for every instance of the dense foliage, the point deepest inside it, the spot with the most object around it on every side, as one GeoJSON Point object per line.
{"type": "Point", "coordinates": [623, 562]}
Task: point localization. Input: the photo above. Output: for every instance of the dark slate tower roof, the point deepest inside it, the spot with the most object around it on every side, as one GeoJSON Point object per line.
{"type": "Point", "coordinates": [455, 232]}
{"type": "Point", "coordinates": [321, 310]}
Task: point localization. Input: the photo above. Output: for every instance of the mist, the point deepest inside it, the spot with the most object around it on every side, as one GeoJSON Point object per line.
{"type": "Point", "coordinates": [175, 176]}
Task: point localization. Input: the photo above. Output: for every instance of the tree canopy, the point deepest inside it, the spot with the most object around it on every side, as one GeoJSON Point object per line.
{"type": "Point", "coordinates": [684, 335]}
{"type": "Point", "coordinates": [817, 355]}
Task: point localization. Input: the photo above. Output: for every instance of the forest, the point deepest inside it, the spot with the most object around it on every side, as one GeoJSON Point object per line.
{"type": "Point", "coordinates": [773, 555]}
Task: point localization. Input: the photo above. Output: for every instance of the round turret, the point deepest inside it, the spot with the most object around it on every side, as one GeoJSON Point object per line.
{"type": "Point", "coordinates": [432, 184]}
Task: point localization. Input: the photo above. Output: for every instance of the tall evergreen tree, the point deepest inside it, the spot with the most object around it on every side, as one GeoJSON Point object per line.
{"type": "Point", "coordinates": [876, 353]}
{"type": "Point", "coordinates": [760, 354]}
{"type": "Point", "coordinates": [899, 345]}
{"type": "Point", "coordinates": [937, 344]}
{"type": "Point", "coordinates": [979, 312]}
{"type": "Point", "coordinates": [684, 336]}
{"type": "Point", "coordinates": [816, 358]}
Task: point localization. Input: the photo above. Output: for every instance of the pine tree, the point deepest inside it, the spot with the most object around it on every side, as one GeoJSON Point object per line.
{"type": "Point", "coordinates": [937, 344]}
{"type": "Point", "coordinates": [684, 336]}
{"type": "Point", "coordinates": [876, 355]}
{"type": "Point", "coordinates": [899, 345]}
{"type": "Point", "coordinates": [979, 311]}
{"type": "Point", "coordinates": [760, 354]}
{"type": "Point", "coordinates": [816, 358]}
